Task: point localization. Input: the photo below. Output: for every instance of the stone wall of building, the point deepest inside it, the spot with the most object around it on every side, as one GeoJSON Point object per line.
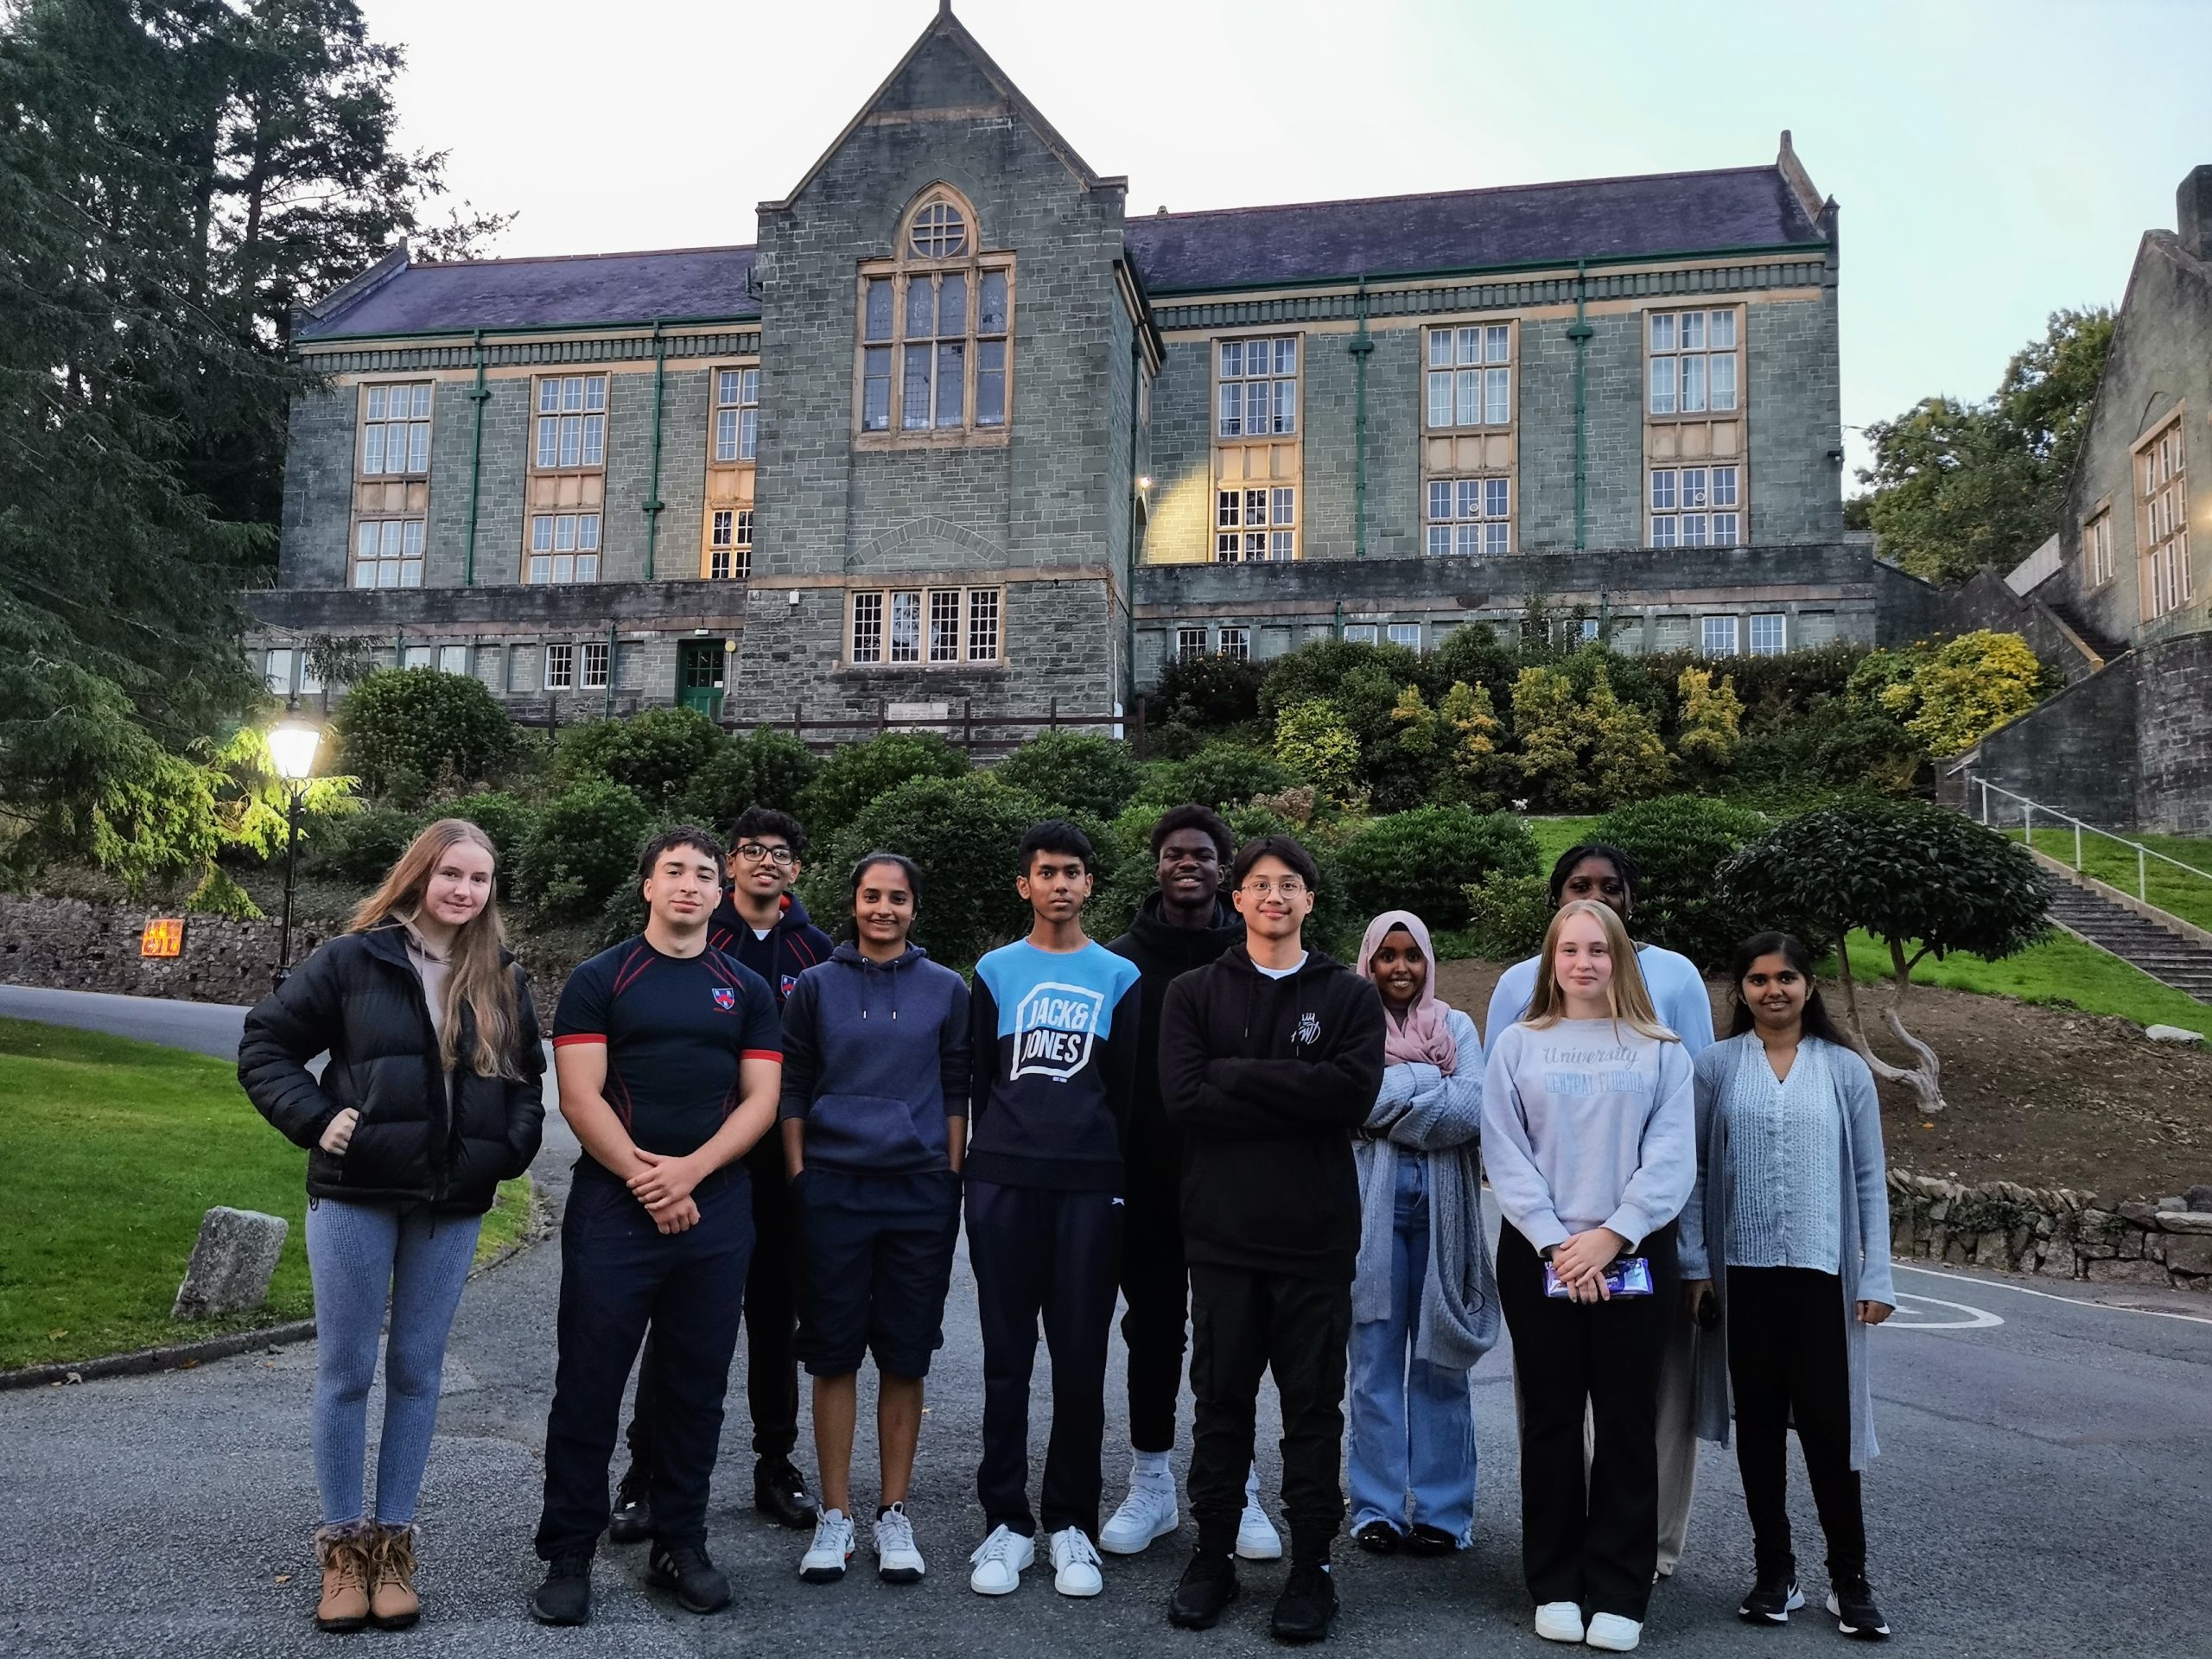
{"type": "Point", "coordinates": [74, 945]}
{"type": "Point", "coordinates": [2076, 750]}
{"type": "Point", "coordinates": [2173, 735]}
{"type": "Point", "coordinates": [2054, 1232]}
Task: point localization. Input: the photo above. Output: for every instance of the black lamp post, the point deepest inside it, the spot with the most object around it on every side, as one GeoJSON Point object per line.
{"type": "Point", "coordinates": [291, 748]}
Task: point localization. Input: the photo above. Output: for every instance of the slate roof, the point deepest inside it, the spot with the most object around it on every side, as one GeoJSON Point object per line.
{"type": "Point", "coordinates": [577, 289]}
{"type": "Point", "coordinates": [1471, 230]}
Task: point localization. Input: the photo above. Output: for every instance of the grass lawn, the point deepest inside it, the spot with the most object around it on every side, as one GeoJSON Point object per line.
{"type": "Point", "coordinates": [2177, 891]}
{"type": "Point", "coordinates": [1554, 835]}
{"type": "Point", "coordinates": [2062, 971]}
{"type": "Point", "coordinates": [109, 1152]}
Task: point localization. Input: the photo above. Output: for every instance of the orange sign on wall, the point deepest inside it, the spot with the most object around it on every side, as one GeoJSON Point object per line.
{"type": "Point", "coordinates": [164, 937]}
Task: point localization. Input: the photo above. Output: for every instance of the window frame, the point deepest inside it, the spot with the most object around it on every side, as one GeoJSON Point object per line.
{"type": "Point", "coordinates": [1363, 633]}
{"type": "Point", "coordinates": [591, 521]}
{"type": "Point", "coordinates": [1779, 646]}
{"type": "Point", "coordinates": [1710, 511]}
{"type": "Point", "coordinates": [2097, 564]}
{"type": "Point", "coordinates": [1275, 534]}
{"type": "Point", "coordinates": [2158, 478]}
{"type": "Point", "coordinates": [1275, 378]}
{"type": "Point", "coordinates": [445, 653]}
{"type": "Point", "coordinates": [1233, 642]}
{"type": "Point", "coordinates": [269, 674]}
{"type": "Point", "coordinates": [1190, 643]}
{"type": "Point", "coordinates": [908, 264]}
{"type": "Point", "coordinates": [1493, 530]}
{"type": "Point", "coordinates": [564, 652]}
{"type": "Point", "coordinates": [573, 491]}
{"type": "Point", "coordinates": [979, 606]}
{"type": "Point", "coordinates": [583, 413]}
{"type": "Point", "coordinates": [1705, 626]}
{"type": "Point", "coordinates": [730, 480]}
{"type": "Point", "coordinates": [735, 549]}
{"type": "Point", "coordinates": [399, 561]}
{"type": "Point", "coordinates": [1453, 336]}
{"type": "Point", "coordinates": [418, 391]}
{"type": "Point", "coordinates": [1677, 351]}
{"type": "Point", "coordinates": [601, 651]}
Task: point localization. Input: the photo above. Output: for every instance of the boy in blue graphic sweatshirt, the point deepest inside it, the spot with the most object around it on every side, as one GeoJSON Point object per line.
{"type": "Point", "coordinates": [1053, 1040]}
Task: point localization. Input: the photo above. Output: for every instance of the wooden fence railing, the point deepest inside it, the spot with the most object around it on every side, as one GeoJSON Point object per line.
{"type": "Point", "coordinates": [966, 729]}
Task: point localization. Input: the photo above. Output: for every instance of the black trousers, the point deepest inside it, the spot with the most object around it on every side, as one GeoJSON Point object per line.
{"type": "Point", "coordinates": [1787, 1360]}
{"type": "Point", "coordinates": [1037, 1250]}
{"type": "Point", "coordinates": [619, 1275]}
{"type": "Point", "coordinates": [1594, 1542]}
{"type": "Point", "coordinates": [1156, 1286]}
{"type": "Point", "coordinates": [771, 1321]}
{"type": "Point", "coordinates": [1243, 1324]}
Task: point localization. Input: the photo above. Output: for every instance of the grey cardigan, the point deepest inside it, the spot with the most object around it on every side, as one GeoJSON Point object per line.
{"type": "Point", "coordinates": [1863, 1257]}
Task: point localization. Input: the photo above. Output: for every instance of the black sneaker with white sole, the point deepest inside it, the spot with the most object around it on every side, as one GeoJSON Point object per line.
{"type": "Point", "coordinates": [631, 1521]}
{"type": "Point", "coordinates": [697, 1583]}
{"type": "Point", "coordinates": [1773, 1598]}
{"type": "Point", "coordinates": [1852, 1601]}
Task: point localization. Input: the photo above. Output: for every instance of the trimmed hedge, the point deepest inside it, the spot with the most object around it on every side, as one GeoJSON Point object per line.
{"type": "Point", "coordinates": [1423, 861]}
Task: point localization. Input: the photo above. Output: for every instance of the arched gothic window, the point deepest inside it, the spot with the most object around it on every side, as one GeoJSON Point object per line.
{"type": "Point", "coordinates": [935, 331]}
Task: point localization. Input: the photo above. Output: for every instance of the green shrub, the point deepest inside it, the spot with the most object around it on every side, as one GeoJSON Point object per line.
{"type": "Point", "coordinates": [1679, 842]}
{"type": "Point", "coordinates": [1313, 741]}
{"type": "Point", "coordinates": [1507, 916]}
{"type": "Point", "coordinates": [1320, 669]}
{"type": "Point", "coordinates": [584, 848]}
{"type": "Point", "coordinates": [1209, 692]}
{"type": "Point", "coordinates": [1225, 775]}
{"type": "Point", "coordinates": [362, 848]}
{"type": "Point", "coordinates": [657, 753]}
{"type": "Point", "coordinates": [505, 819]}
{"type": "Point", "coordinates": [1074, 770]}
{"type": "Point", "coordinates": [782, 768]}
{"type": "Point", "coordinates": [401, 731]}
{"type": "Point", "coordinates": [1834, 746]}
{"type": "Point", "coordinates": [763, 768]}
{"type": "Point", "coordinates": [857, 774]}
{"type": "Point", "coordinates": [1423, 860]}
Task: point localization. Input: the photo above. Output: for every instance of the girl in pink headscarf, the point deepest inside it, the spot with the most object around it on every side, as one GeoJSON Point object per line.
{"type": "Point", "coordinates": [1424, 1303]}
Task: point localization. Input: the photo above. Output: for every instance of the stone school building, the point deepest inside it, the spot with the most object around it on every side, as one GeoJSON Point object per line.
{"type": "Point", "coordinates": [962, 431]}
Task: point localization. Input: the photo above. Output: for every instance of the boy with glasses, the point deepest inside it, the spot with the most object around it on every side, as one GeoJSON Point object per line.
{"type": "Point", "coordinates": [1269, 1059]}
{"type": "Point", "coordinates": [761, 923]}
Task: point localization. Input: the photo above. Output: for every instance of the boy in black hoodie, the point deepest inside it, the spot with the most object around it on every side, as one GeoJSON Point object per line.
{"type": "Point", "coordinates": [1269, 1059]}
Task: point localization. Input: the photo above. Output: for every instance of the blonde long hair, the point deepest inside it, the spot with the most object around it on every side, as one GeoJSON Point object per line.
{"type": "Point", "coordinates": [1629, 996]}
{"type": "Point", "coordinates": [477, 979]}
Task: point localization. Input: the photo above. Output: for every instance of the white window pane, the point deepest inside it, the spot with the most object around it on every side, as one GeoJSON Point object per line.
{"type": "Point", "coordinates": [587, 531]}
{"type": "Point", "coordinates": [726, 386]}
{"type": "Point", "coordinates": [1407, 634]}
{"type": "Point", "coordinates": [1256, 508]}
{"type": "Point", "coordinates": [1439, 394]}
{"type": "Point", "coordinates": [1499, 337]}
{"type": "Point", "coordinates": [410, 538]}
{"type": "Point", "coordinates": [1663, 533]}
{"type": "Point", "coordinates": [564, 533]}
{"type": "Point", "coordinates": [1694, 530]}
{"type": "Point", "coordinates": [541, 569]}
{"type": "Point", "coordinates": [921, 307]}
{"type": "Point", "coordinates": [1285, 405]}
{"type": "Point", "coordinates": [1439, 540]}
{"type": "Point", "coordinates": [278, 673]}
{"type": "Point", "coordinates": [1498, 497]}
{"type": "Point", "coordinates": [572, 440]}
{"type": "Point", "coordinates": [726, 435]}
{"type": "Point", "coordinates": [1692, 486]}
{"type": "Point", "coordinates": [564, 567]}
{"type": "Point", "coordinates": [418, 447]}
{"type": "Point", "coordinates": [1693, 384]}
{"type": "Point", "coordinates": [421, 408]}
{"type": "Point", "coordinates": [1232, 359]}
{"type": "Point", "coordinates": [1471, 345]}
{"type": "Point", "coordinates": [1727, 529]}
{"type": "Point", "coordinates": [389, 535]}
{"type": "Point", "coordinates": [388, 573]}
{"type": "Point", "coordinates": [1662, 331]}
{"type": "Point", "coordinates": [1663, 492]}
{"type": "Point", "coordinates": [1280, 544]}
{"type": "Point", "coordinates": [1724, 486]}
{"type": "Point", "coordinates": [1693, 328]}
{"type": "Point", "coordinates": [377, 396]}
{"type": "Point", "coordinates": [1663, 385]}
{"type": "Point", "coordinates": [587, 567]}
{"type": "Point", "coordinates": [1232, 409]}
{"type": "Point", "coordinates": [990, 383]}
{"type": "Point", "coordinates": [1468, 539]}
{"type": "Point", "coordinates": [1439, 498]}
{"type": "Point", "coordinates": [875, 391]}
{"type": "Point", "coordinates": [990, 309]}
{"type": "Point", "coordinates": [1225, 546]}
{"type": "Point", "coordinates": [914, 414]}
{"type": "Point", "coordinates": [1228, 505]}
{"type": "Point", "coordinates": [1362, 633]}
{"type": "Point", "coordinates": [952, 304]}
{"type": "Point", "coordinates": [1440, 348]}
{"type": "Point", "coordinates": [1287, 355]}
{"type": "Point", "coordinates": [549, 397]}
{"type": "Point", "coordinates": [749, 433]}
{"type": "Point", "coordinates": [1469, 504]}
{"type": "Point", "coordinates": [372, 450]}
{"type": "Point", "coordinates": [595, 440]}
{"type": "Point", "coordinates": [453, 659]}
{"type": "Point", "coordinates": [549, 443]}
{"type": "Point", "coordinates": [572, 394]}
{"type": "Point", "coordinates": [364, 541]}
{"type": "Point", "coordinates": [1721, 372]}
{"type": "Point", "coordinates": [1722, 337]}
{"type": "Point", "coordinates": [1257, 401]}
{"type": "Point", "coordinates": [878, 309]}
{"type": "Point", "coordinates": [541, 535]}
{"type": "Point", "coordinates": [951, 380]}
{"type": "Point", "coordinates": [1497, 396]}
{"type": "Point", "coordinates": [1497, 538]}
{"type": "Point", "coordinates": [1282, 503]}
{"type": "Point", "coordinates": [1470, 397]}
{"type": "Point", "coordinates": [750, 392]}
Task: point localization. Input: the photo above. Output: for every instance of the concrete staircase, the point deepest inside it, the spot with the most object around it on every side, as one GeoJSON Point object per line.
{"type": "Point", "coordinates": [2164, 955]}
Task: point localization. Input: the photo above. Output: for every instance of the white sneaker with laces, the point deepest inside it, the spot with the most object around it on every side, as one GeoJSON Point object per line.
{"type": "Point", "coordinates": [897, 1558]}
{"type": "Point", "coordinates": [1075, 1564]}
{"type": "Point", "coordinates": [1256, 1537]}
{"type": "Point", "coordinates": [825, 1558]}
{"type": "Point", "coordinates": [998, 1561]}
{"type": "Point", "coordinates": [1560, 1621]}
{"type": "Point", "coordinates": [1146, 1514]}
{"type": "Point", "coordinates": [1614, 1633]}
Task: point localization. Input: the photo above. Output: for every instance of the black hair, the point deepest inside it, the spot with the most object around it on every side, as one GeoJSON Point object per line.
{"type": "Point", "coordinates": [1791, 950]}
{"type": "Point", "coordinates": [1284, 847]}
{"type": "Point", "coordinates": [1203, 819]}
{"type": "Point", "coordinates": [756, 820]}
{"type": "Point", "coordinates": [1630, 873]}
{"type": "Point", "coordinates": [908, 868]}
{"type": "Point", "coordinates": [684, 835]}
{"type": "Point", "coordinates": [1056, 836]}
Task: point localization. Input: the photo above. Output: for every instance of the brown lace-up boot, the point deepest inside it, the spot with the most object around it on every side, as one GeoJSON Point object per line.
{"type": "Point", "coordinates": [344, 1554]}
{"type": "Point", "coordinates": [393, 1605]}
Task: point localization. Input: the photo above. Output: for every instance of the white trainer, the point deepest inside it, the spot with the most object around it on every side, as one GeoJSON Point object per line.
{"type": "Point", "coordinates": [1560, 1621]}
{"type": "Point", "coordinates": [1614, 1633]}
{"type": "Point", "coordinates": [1075, 1564]}
{"type": "Point", "coordinates": [1256, 1537]}
{"type": "Point", "coordinates": [825, 1558]}
{"type": "Point", "coordinates": [1146, 1514]}
{"type": "Point", "coordinates": [998, 1561]}
{"type": "Point", "coordinates": [897, 1558]}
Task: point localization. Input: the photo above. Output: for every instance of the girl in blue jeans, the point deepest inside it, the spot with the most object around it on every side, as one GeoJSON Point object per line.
{"type": "Point", "coordinates": [1424, 1302]}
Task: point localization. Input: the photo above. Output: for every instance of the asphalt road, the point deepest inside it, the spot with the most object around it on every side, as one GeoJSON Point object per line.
{"type": "Point", "coordinates": [2046, 1457]}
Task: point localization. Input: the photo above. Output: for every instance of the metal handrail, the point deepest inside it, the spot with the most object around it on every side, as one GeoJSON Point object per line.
{"type": "Point", "coordinates": [2028, 808]}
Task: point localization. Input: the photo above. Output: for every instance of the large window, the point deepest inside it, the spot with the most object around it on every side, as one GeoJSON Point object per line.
{"type": "Point", "coordinates": [1470, 515]}
{"type": "Point", "coordinates": [1693, 363]}
{"type": "Point", "coordinates": [571, 422]}
{"type": "Point", "coordinates": [567, 483]}
{"type": "Point", "coordinates": [1255, 523]}
{"type": "Point", "coordinates": [1718, 636]}
{"type": "Point", "coordinates": [936, 325]}
{"type": "Point", "coordinates": [2162, 510]}
{"type": "Point", "coordinates": [560, 668]}
{"type": "Point", "coordinates": [1770, 635]}
{"type": "Point", "coordinates": [396, 430]}
{"type": "Point", "coordinates": [598, 656]}
{"type": "Point", "coordinates": [1696, 507]}
{"type": "Point", "coordinates": [1470, 376]}
{"type": "Point", "coordinates": [1236, 645]}
{"type": "Point", "coordinates": [1407, 634]}
{"type": "Point", "coordinates": [737, 414]}
{"type": "Point", "coordinates": [564, 547]}
{"type": "Point", "coordinates": [388, 553]}
{"type": "Point", "coordinates": [729, 545]}
{"type": "Point", "coordinates": [1190, 645]}
{"type": "Point", "coordinates": [1467, 446]}
{"type": "Point", "coordinates": [937, 626]}
{"type": "Point", "coordinates": [732, 450]}
{"type": "Point", "coordinates": [1257, 392]}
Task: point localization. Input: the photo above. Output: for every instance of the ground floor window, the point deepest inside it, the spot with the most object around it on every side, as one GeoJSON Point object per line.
{"type": "Point", "coordinates": [1407, 634]}
{"type": "Point", "coordinates": [1189, 644]}
{"type": "Point", "coordinates": [1769, 635]}
{"type": "Point", "coordinates": [564, 547]}
{"type": "Point", "coordinates": [940, 626]}
{"type": "Point", "coordinates": [1696, 507]}
{"type": "Point", "coordinates": [1470, 516]}
{"type": "Point", "coordinates": [560, 668]}
{"type": "Point", "coordinates": [1237, 644]}
{"type": "Point", "coordinates": [1718, 636]}
{"type": "Point", "coordinates": [388, 553]}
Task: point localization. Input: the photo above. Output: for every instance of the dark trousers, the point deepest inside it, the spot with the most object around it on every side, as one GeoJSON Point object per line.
{"type": "Point", "coordinates": [1787, 1360]}
{"type": "Point", "coordinates": [1243, 1323]}
{"type": "Point", "coordinates": [1594, 1542]}
{"type": "Point", "coordinates": [1156, 1285]}
{"type": "Point", "coordinates": [621, 1274]}
{"type": "Point", "coordinates": [771, 1321]}
{"type": "Point", "coordinates": [1036, 1250]}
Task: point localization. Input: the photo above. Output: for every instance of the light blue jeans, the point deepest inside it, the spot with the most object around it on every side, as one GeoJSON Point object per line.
{"type": "Point", "coordinates": [361, 1255]}
{"type": "Point", "coordinates": [1412, 1457]}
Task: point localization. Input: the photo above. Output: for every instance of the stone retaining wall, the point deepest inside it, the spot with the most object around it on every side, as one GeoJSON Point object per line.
{"type": "Point", "coordinates": [71, 945]}
{"type": "Point", "coordinates": [2055, 1232]}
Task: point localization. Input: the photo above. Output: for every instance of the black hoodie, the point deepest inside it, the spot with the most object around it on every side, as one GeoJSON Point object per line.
{"type": "Point", "coordinates": [1163, 953]}
{"type": "Point", "coordinates": [1267, 1079]}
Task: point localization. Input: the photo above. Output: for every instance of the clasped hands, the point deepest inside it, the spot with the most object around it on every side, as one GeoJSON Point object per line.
{"type": "Point", "coordinates": [1581, 1260]}
{"type": "Point", "coordinates": [663, 1186]}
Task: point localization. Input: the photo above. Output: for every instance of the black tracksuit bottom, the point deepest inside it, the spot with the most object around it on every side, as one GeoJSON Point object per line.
{"type": "Point", "coordinates": [1243, 1323]}
{"type": "Point", "coordinates": [1156, 1285]}
{"type": "Point", "coordinates": [771, 1321]}
{"type": "Point", "coordinates": [1595, 1543]}
{"type": "Point", "coordinates": [1787, 1360]}
{"type": "Point", "coordinates": [1041, 1251]}
{"type": "Point", "coordinates": [620, 1273]}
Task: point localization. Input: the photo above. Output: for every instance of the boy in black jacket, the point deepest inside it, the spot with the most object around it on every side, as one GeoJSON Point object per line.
{"type": "Point", "coordinates": [1269, 1059]}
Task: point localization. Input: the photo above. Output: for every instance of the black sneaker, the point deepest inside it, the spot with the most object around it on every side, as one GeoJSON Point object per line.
{"type": "Point", "coordinates": [1852, 1601]}
{"type": "Point", "coordinates": [1774, 1598]}
{"type": "Point", "coordinates": [1307, 1606]}
{"type": "Point", "coordinates": [631, 1521]}
{"type": "Point", "coordinates": [1425, 1540]}
{"type": "Point", "coordinates": [699, 1584]}
{"type": "Point", "coordinates": [780, 1492]}
{"type": "Point", "coordinates": [565, 1596]}
{"type": "Point", "coordinates": [1378, 1538]}
{"type": "Point", "coordinates": [1208, 1585]}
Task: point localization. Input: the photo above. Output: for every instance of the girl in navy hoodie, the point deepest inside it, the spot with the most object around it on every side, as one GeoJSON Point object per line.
{"type": "Point", "coordinates": [876, 1094]}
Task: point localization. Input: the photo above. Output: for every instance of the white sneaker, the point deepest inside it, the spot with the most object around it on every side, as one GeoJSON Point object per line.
{"type": "Point", "coordinates": [897, 1559]}
{"type": "Point", "coordinates": [998, 1561]}
{"type": "Point", "coordinates": [1147, 1513]}
{"type": "Point", "coordinates": [1256, 1537]}
{"type": "Point", "coordinates": [1075, 1564]}
{"type": "Point", "coordinates": [1613, 1633]}
{"type": "Point", "coordinates": [825, 1558]}
{"type": "Point", "coordinates": [1560, 1621]}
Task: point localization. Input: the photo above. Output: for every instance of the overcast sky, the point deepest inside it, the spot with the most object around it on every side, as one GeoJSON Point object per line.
{"type": "Point", "coordinates": [1994, 160]}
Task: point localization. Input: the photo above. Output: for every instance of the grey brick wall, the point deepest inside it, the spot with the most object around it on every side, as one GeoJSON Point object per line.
{"type": "Point", "coordinates": [318, 489]}
{"type": "Point", "coordinates": [1795, 420]}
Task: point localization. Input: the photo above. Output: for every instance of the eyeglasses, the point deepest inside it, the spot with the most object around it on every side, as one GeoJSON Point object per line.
{"type": "Point", "coordinates": [1290, 886]}
{"type": "Point", "coordinates": [753, 853]}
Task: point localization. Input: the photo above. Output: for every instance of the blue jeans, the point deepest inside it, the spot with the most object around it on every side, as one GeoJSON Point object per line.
{"type": "Point", "coordinates": [1412, 1424]}
{"type": "Point", "coordinates": [359, 1254]}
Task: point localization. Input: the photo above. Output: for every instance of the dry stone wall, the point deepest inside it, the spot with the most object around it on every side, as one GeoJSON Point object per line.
{"type": "Point", "coordinates": [2054, 1232]}
{"type": "Point", "coordinates": [73, 944]}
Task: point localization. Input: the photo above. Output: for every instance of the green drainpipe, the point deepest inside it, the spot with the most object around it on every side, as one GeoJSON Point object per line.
{"type": "Point", "coordinates": [1340, 622]}
{"type": "Point", "coordinates": [1362, 348]}
{"type": "Point", "coordinates": [479, 397]}
{"type": "Point", "coordinates": [611, 646]}
{"type": "Point", "coordinates": [1130, 578]}
{"type": "Point", "coordinates": [653, 503]}
{"type": "Point", "coordinates": [1580, 331]}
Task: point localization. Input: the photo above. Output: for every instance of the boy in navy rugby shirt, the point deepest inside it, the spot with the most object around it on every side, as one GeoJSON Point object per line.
{"type": "Point", "coordinates": [670, 1060]}
{"type": "Point", "coordinates": [1053, 1049]}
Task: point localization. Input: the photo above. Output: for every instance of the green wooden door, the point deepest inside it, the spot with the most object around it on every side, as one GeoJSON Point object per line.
{"type": "Point", "coordinates": [699, 675]}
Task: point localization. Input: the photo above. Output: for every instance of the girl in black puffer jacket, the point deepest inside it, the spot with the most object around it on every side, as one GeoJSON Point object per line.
{"type": "Point", "coordinates": [430, 1099]}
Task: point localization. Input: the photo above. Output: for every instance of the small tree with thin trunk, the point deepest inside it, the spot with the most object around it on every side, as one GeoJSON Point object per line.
{"type": "Point", "coordinates": [1923, 880]}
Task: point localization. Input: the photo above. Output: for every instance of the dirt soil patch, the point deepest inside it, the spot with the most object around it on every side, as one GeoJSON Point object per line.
{"type": "Point", "coordinates": [2044, 1096]}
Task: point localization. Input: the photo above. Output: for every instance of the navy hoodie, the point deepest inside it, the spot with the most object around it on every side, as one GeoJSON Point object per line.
{"type": "Point", "coordinates": [793, 945]}
{"type": "Point", "coordinates": [875, 1055]}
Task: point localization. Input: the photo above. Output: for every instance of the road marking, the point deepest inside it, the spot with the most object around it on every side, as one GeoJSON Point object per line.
{"type": "Point", "coordinates": [2048, 1296]}
{"type": "Point", "coordinates": [1910, 1317]}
